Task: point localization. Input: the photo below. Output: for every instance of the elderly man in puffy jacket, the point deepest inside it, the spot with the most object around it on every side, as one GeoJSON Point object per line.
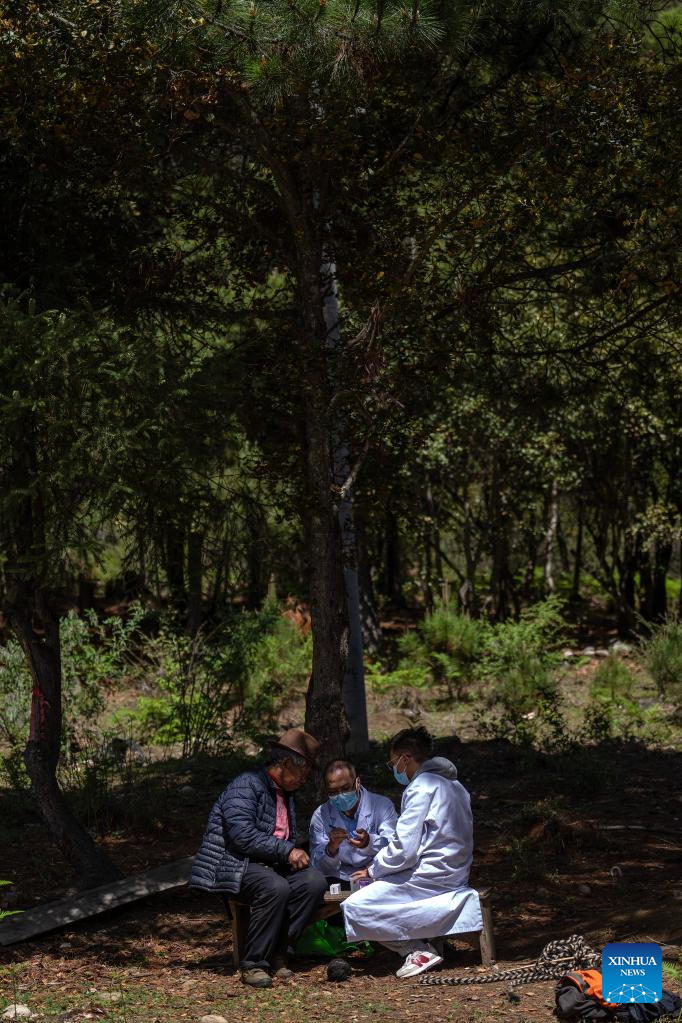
{"type": "Point", "coordinates": [249, 850]}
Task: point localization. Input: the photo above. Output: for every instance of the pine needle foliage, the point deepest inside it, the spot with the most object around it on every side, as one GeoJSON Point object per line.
{"type": "Point", "coordinates": [274, 49]}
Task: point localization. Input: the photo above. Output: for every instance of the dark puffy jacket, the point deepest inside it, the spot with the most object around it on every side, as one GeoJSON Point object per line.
{"type": "Point", "coordinates": [240, 828]}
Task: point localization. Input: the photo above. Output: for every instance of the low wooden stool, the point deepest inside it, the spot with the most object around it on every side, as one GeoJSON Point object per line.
{"type": "Point", "coordinates": [240, 911]}
{"type": "Point", "coordinates": [483, 939]}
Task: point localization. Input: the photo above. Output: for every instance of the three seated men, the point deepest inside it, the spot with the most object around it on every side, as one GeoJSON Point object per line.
{"type": "Point", "coordinates": [419, 862]}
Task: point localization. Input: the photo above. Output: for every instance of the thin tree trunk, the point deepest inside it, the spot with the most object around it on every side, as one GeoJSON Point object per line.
{"type": "Point", "coordinates": [500, 574]}
{"type": "Point", "coordinates": [174, 557]}
{"type": "Point", "coordinates": [578, 561]}
{"type": "Point", "coordinates": [662, 554]}
{"type": "Point", "coordinates": [257, 568]}
{"type": "Point", "coordinates": [563, 547]}
{"type": "Point", "coordinates": [195, 582]}
{"type": "Point", "coordinates": [550, 538]}
{"type": "Point", "coordinates": [433, 533]}
{"type": "Point", "coordinates": [391, 579]}
{"type": "Point", "coordinates": [467, 593]}
{"type": "Point", "coordinates": [38, 633]}
{"type": "Point", "coordinates": [371, 629]}
{"type": "Point", "coordinates": [531, 543]}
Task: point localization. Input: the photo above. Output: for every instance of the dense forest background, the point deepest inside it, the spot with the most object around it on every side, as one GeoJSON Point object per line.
{"type": "Point", "coordinates": [326, 327]}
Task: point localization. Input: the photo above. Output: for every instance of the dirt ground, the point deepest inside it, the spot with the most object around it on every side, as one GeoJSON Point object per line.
{"type": "Point", "coordinates": [549, 831]}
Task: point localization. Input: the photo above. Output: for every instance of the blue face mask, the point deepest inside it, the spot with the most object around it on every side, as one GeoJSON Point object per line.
{"type": "Point", "coordinates": [344, 800]}
{"type": "Point", "coordinates": [400, 776]}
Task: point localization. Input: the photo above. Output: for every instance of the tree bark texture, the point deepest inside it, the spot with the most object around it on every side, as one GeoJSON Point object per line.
{"type": "Point", "coordinates": [371, 628]}
{"type": "Point", "coordinates": [325, 711]}
{"type": "Point", "coordinates": [37, 629]}
{"type": "Point", "coordinates": [551, 538]}
{"type": "Point", "coordinates": [391, 578]}
{"type": "Point", "coordinates": [195, 612]}
{"type": "Point", "coordinates": [578, 557]}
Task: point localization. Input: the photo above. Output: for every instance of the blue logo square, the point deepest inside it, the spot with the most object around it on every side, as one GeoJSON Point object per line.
{"type": "Point", "coordinates": [632, 971]}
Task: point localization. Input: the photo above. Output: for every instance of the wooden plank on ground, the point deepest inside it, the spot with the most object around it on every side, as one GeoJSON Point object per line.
{"type": "Point", "coordinates": [96, 900]}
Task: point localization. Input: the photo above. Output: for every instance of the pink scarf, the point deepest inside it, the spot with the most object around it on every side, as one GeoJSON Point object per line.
{"type": "Point", "coordinates": [281, 815]}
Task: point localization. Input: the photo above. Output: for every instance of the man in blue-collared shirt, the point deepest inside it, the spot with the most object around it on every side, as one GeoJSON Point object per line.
{"type": "Point", "coordinates": [349, 829]}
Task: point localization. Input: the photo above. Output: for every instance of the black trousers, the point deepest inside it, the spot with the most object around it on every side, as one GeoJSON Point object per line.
{"type": "Point", "coordinates": [282, 901]}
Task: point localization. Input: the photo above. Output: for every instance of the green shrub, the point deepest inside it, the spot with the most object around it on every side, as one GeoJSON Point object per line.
{"type": "Point", "coordinates": [444, 649]}
{"type": "Point", "coordinates": [454, 644]}
{"type": "Point", "coordinates": [15, 707]}
{"type": "Point", "coordinates": [408, 675]}
{"type": "Point", "coordinates": [7, 912]}
{"type": "Point", "coordinates": [520, 661]}
{"type": "Point", "coordinates": [95, 654]}
{"type": "Point", "coordinates": [612, 711]}
{"type": "Point", "coordinates": [520, 656]}
{"type": "Point", "coordinates": [612, 680]}
{"type": "Point", "coordinates": [527, 862]}
{"type": "Point", "coordinates": [663, 658]}
{"type": "Point", "coordinates": [210, 687]}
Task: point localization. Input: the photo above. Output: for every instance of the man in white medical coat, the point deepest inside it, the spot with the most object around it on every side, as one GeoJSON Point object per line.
{"type": "Point", "coordinates": [349, 829]}
{"type": "Point", "coordinates": [421, 878]}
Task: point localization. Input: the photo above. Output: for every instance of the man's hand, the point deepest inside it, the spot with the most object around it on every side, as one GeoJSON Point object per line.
{"type": "Point", "coordinates": [362, 841]}
{"type": "Point", "coordinates": [336, 837]}
{"type": "Point", "coordinates": [298, 859]}
{"type": "Point", "coordinates": [359, 874]}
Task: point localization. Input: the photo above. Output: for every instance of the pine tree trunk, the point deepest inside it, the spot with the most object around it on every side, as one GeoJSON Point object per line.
{"type": "Point", "coordinates": [194, 582]}
{"type": "Point", "coordinates": [325, 712]}
{"type": "Point", "coordinates": [655, 601]}
{"type": "Point", "coordinates": [550, 538]}
{"type": "Point", "coordinates": [38, 632]}
{"type": "Point", "coordinates": [354, 698]}
{"type": "Point", "coordinates": [578, 557]}
{"type": "Point", "coordinates": [371, 628]}
{"type": "Point", "coordinates": [174, 557]}
{"type": "Point", "coordinates": [257, 568]}
{"type": "Point", "coordinates": [391, 579]}
{"type": "Point", "coordinates": [433, 533]}
{"type": "Point", "coordinates": [467, 593]}
{"type": "Point", "coordinates": [300, 190]}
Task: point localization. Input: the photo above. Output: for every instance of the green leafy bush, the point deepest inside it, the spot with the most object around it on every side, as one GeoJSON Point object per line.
{"type": "Point", "coordinates": [7, 912]}
{"type": "Point", "coordinates": [210, 687]}
{"type": "Point", "coordinates": [527, 862]}
{"type": "Point", "coordinates": [444, 649]}
{"type": "Point", "coordinates": [95, 654]}
{"type": "Point", "coordinates": [520, 661]}
{"type": "Point", "coordinates": [663, 658]}
{"type": "Point", "coordinates": [612, 680]}
{"type": "Point", "coordinates": [520, 656]}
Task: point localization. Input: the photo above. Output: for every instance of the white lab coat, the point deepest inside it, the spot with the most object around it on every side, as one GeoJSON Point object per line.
{"type": "Point", "coordinates": [421, 878]}
{"type": "Point", "coordinates": [376, 814]}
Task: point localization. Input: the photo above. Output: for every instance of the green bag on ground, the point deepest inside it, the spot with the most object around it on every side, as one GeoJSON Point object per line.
{"type": "Point", "coordinates": [324, 939]}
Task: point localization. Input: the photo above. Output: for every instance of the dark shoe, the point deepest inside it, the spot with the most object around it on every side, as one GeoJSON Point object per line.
{"type": "Point", "coordinates": [256, 977]}
{"type": "Point", "coordinates": [280, 968]}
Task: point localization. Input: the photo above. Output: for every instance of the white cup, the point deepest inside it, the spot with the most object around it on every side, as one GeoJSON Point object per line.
{"type": "Point", "coordinates": [334, 889]}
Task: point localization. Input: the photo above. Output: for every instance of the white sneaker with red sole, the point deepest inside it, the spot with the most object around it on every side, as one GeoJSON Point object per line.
{"type": "Point", "coordinates": [419, 962]}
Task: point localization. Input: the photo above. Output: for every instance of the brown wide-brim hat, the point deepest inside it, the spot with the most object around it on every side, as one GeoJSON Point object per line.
{"type": "Point", "coordinates": [298, 741]}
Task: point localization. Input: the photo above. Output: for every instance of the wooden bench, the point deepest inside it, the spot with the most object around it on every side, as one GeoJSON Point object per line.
{"type": "Point", "coordinates": [484, 939]}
